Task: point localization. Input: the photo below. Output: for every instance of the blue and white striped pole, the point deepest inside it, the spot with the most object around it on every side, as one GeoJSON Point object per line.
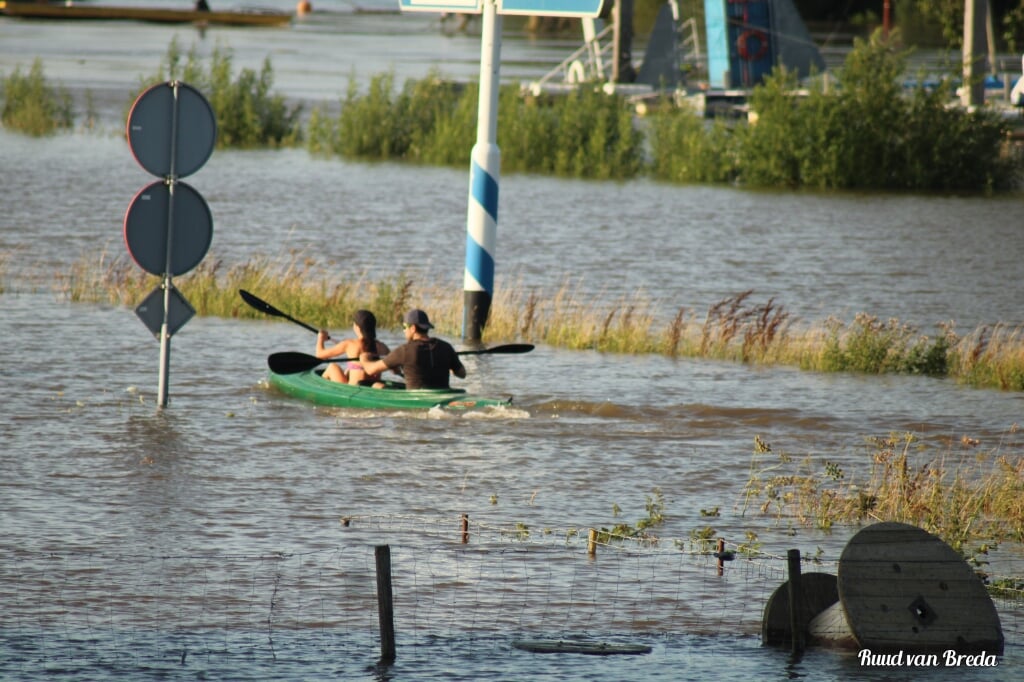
{"type": "Point", "coordinates": [485, 165]}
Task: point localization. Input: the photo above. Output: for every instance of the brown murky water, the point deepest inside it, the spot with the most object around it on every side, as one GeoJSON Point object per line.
{"type": "Point", "coordinates": [205, 538]}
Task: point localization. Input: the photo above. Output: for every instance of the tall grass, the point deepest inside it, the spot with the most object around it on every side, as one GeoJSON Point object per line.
{"type": "Point", "coordinates": [738, 328]}
{"type": "Point", "coordinates": [970, 498]}
{"type": "Point", "coordinates": [32, 105]}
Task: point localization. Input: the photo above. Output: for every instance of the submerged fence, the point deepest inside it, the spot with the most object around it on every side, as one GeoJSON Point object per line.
{"type": "Point", "coordinates": [451, 582]}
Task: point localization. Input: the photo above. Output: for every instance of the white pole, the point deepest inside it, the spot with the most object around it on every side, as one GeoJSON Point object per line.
{"type": "Point", "coordinates": [973, 93]}
{"type": "Point", "coordinates": [485, 165]}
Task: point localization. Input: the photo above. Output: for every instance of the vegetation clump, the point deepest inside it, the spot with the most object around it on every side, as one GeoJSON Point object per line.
{"type": "Point", "coordinates": [654, 504]}
{"type": "Point", "coordinates": [864, 132]}
{"type": "Point", "coordinates": [971, 500]}
{"type": "Point", "coordinates": [432, 121]}
{"type": "Point", "coordinates": [247, 113]}
{"type": "Point", "coordinates": [33, 106]}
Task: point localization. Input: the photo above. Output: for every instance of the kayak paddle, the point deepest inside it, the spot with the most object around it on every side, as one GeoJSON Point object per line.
{"type": "Point", "coordinates": [291, 362]}
{"type": "Point", "coordinates": [264, 307]}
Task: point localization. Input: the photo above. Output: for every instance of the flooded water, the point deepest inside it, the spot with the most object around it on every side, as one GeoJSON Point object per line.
{"type": "Point", "coordinates": [232, 534]}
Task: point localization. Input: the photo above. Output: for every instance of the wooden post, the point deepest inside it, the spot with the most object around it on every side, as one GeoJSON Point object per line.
{"type": "Point", "coordinates": [721, 548]}
{"type": "Point", "coordinates": [465, 528]}
{"type": "Point", "coordinates": [385, 605]}
{"type": "Point", "coordinates": [592, 543]}
{"type": "Point", "coordinates": [795, 624]}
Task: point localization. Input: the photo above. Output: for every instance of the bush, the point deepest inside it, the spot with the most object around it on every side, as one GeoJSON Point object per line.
{"type": "Point", "coordinates": [32, 106]}
{"type": "Point", "coordinates": [866, 134]}
{"type": "Point", "coordinates": [585, 134]}
{"type": "Point", "coordinates": [248, 115]}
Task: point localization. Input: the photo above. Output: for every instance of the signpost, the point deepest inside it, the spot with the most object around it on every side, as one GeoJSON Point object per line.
{"type": "Point", "coordinates": [485, 159]}
{"type": "Point", "coordinates": [168, 227]}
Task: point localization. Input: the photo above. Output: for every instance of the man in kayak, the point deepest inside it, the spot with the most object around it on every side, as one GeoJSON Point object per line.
{"type": "Point", "coordinates": [425, 362]}
{"type": "Point", "coordinates": [364, 324]}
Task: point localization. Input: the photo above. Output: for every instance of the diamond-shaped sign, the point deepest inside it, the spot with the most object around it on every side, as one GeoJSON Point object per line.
{"type": "Point", "coordinates": [151, 311]}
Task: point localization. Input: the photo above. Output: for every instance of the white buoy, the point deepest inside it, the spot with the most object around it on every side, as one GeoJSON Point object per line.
{"type": "Point", "coordinates": [1017, 94]}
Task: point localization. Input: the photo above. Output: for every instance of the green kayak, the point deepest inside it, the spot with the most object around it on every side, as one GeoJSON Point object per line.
{"type": "Point", "coordinates": [317, 390]}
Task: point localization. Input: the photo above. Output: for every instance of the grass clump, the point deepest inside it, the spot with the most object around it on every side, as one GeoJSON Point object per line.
{"type": "Point", "coordinates": [297, 285]}
{"type": "Point", "coordinates": [972, 500]}
{"type": "Point", "coordinates": [34, 107]}
{"type": "Point", "coordinates": [247, 113]}
{"type": "Point", "coordinates": [990, 356]}
{"type": "Point", "coordinates": [871, 346]}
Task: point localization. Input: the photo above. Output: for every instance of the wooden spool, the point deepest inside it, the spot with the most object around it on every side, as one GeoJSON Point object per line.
{"type": "Point", "coordinates": [903, 589]}
{"type": "Point", "coordinates": [818, 592]}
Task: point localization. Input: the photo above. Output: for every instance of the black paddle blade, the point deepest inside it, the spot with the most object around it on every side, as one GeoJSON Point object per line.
{"type": "Point", "coordinates": [292, 362]}
{"type": "Point", "coordinates": [259, 304]}
{"type": "Point", "coordinates": [507, 349]}
{"type": "Point", "coordinates": [264, 307]}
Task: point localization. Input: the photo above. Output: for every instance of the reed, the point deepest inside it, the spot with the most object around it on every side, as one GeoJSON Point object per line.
{"type": "Point", "coordinates": [738, 328]}
{"type": "Point", "coordinates": [990, 356]}
{"type": "Point", "coordinates": [972, 500]}
{"type": "Point", "coordinates": [32, 105]}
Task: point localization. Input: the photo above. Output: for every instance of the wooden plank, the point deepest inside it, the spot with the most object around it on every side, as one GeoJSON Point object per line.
{"type": "Point", "coordinates": [559, 646]}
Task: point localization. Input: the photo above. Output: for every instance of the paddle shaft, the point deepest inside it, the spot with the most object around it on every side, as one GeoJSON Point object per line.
{"type": "Point", "coordinates": [264, 307]}
{"type": "Point", "coordinates": [291, 362]}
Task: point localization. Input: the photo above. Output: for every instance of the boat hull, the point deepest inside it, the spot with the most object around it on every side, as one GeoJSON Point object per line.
{"type": "Point", "coordinates": [312, 387]}
{"type": "Point", "coordinates": [256, 17]}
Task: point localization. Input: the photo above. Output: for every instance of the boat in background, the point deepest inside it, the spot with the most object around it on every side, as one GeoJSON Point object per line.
{"type": "Point", "coordinates": [312, 387]}
{"type": "Point", "coordinates": [65, 10]}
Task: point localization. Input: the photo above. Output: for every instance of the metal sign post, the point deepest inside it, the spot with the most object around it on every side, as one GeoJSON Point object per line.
{"type": "Point", "coordinates": [485, 158]}
{"type": "Point", "coordinates": [168, 226]}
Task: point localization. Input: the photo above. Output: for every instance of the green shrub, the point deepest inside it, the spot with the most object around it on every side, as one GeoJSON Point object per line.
{"type": "Point", "coordinates": [585, 134]}
{"type": "Point", "coordinates": [865, 133]}
{"type": "Point", "coordinates": [248, 115]}
{"type": "Point", "coordinates": [32, 106]}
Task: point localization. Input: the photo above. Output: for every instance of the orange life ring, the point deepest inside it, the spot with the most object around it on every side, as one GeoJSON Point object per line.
{"type": "Point", "coordinates": [743, 49]}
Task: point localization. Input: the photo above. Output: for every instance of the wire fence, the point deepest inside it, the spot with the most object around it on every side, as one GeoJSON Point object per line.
{"type": "Point", "coordinates": [449, 581]}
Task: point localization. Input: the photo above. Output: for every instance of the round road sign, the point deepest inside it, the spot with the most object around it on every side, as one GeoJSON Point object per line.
{"type": "Point", "coordinates": [150, 124]}
{"type": "Point", "coordinates": [146, 225]}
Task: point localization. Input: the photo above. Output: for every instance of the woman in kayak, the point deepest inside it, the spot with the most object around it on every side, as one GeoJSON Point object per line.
{"type": "Point", "coordinates": [425, 362]}
{"type": "Point", "coordinates": [365, 326]}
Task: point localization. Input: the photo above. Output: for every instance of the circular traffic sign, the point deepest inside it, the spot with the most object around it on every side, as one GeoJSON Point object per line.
{"type": "Point", "coordinates": [151, 123]}
{"type": "Point", "coordinates": [146, 228]}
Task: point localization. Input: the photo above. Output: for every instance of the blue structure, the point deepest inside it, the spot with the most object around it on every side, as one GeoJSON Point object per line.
{"type": "Point", "coordinates": [740, 47]}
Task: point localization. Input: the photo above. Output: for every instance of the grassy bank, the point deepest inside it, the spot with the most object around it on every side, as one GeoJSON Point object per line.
{"type": "Point", "coordinates": [739, 328]}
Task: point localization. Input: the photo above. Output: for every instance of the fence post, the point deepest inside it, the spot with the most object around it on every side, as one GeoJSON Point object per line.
{"type": "Point", "coordinates": [385, 605]}
{"type": "Point", "coordinates": [592, 543]}
{"type": "Point", "coordinates": [465, 528]}
{"type": "Point", "coordinates": [795, 600]}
